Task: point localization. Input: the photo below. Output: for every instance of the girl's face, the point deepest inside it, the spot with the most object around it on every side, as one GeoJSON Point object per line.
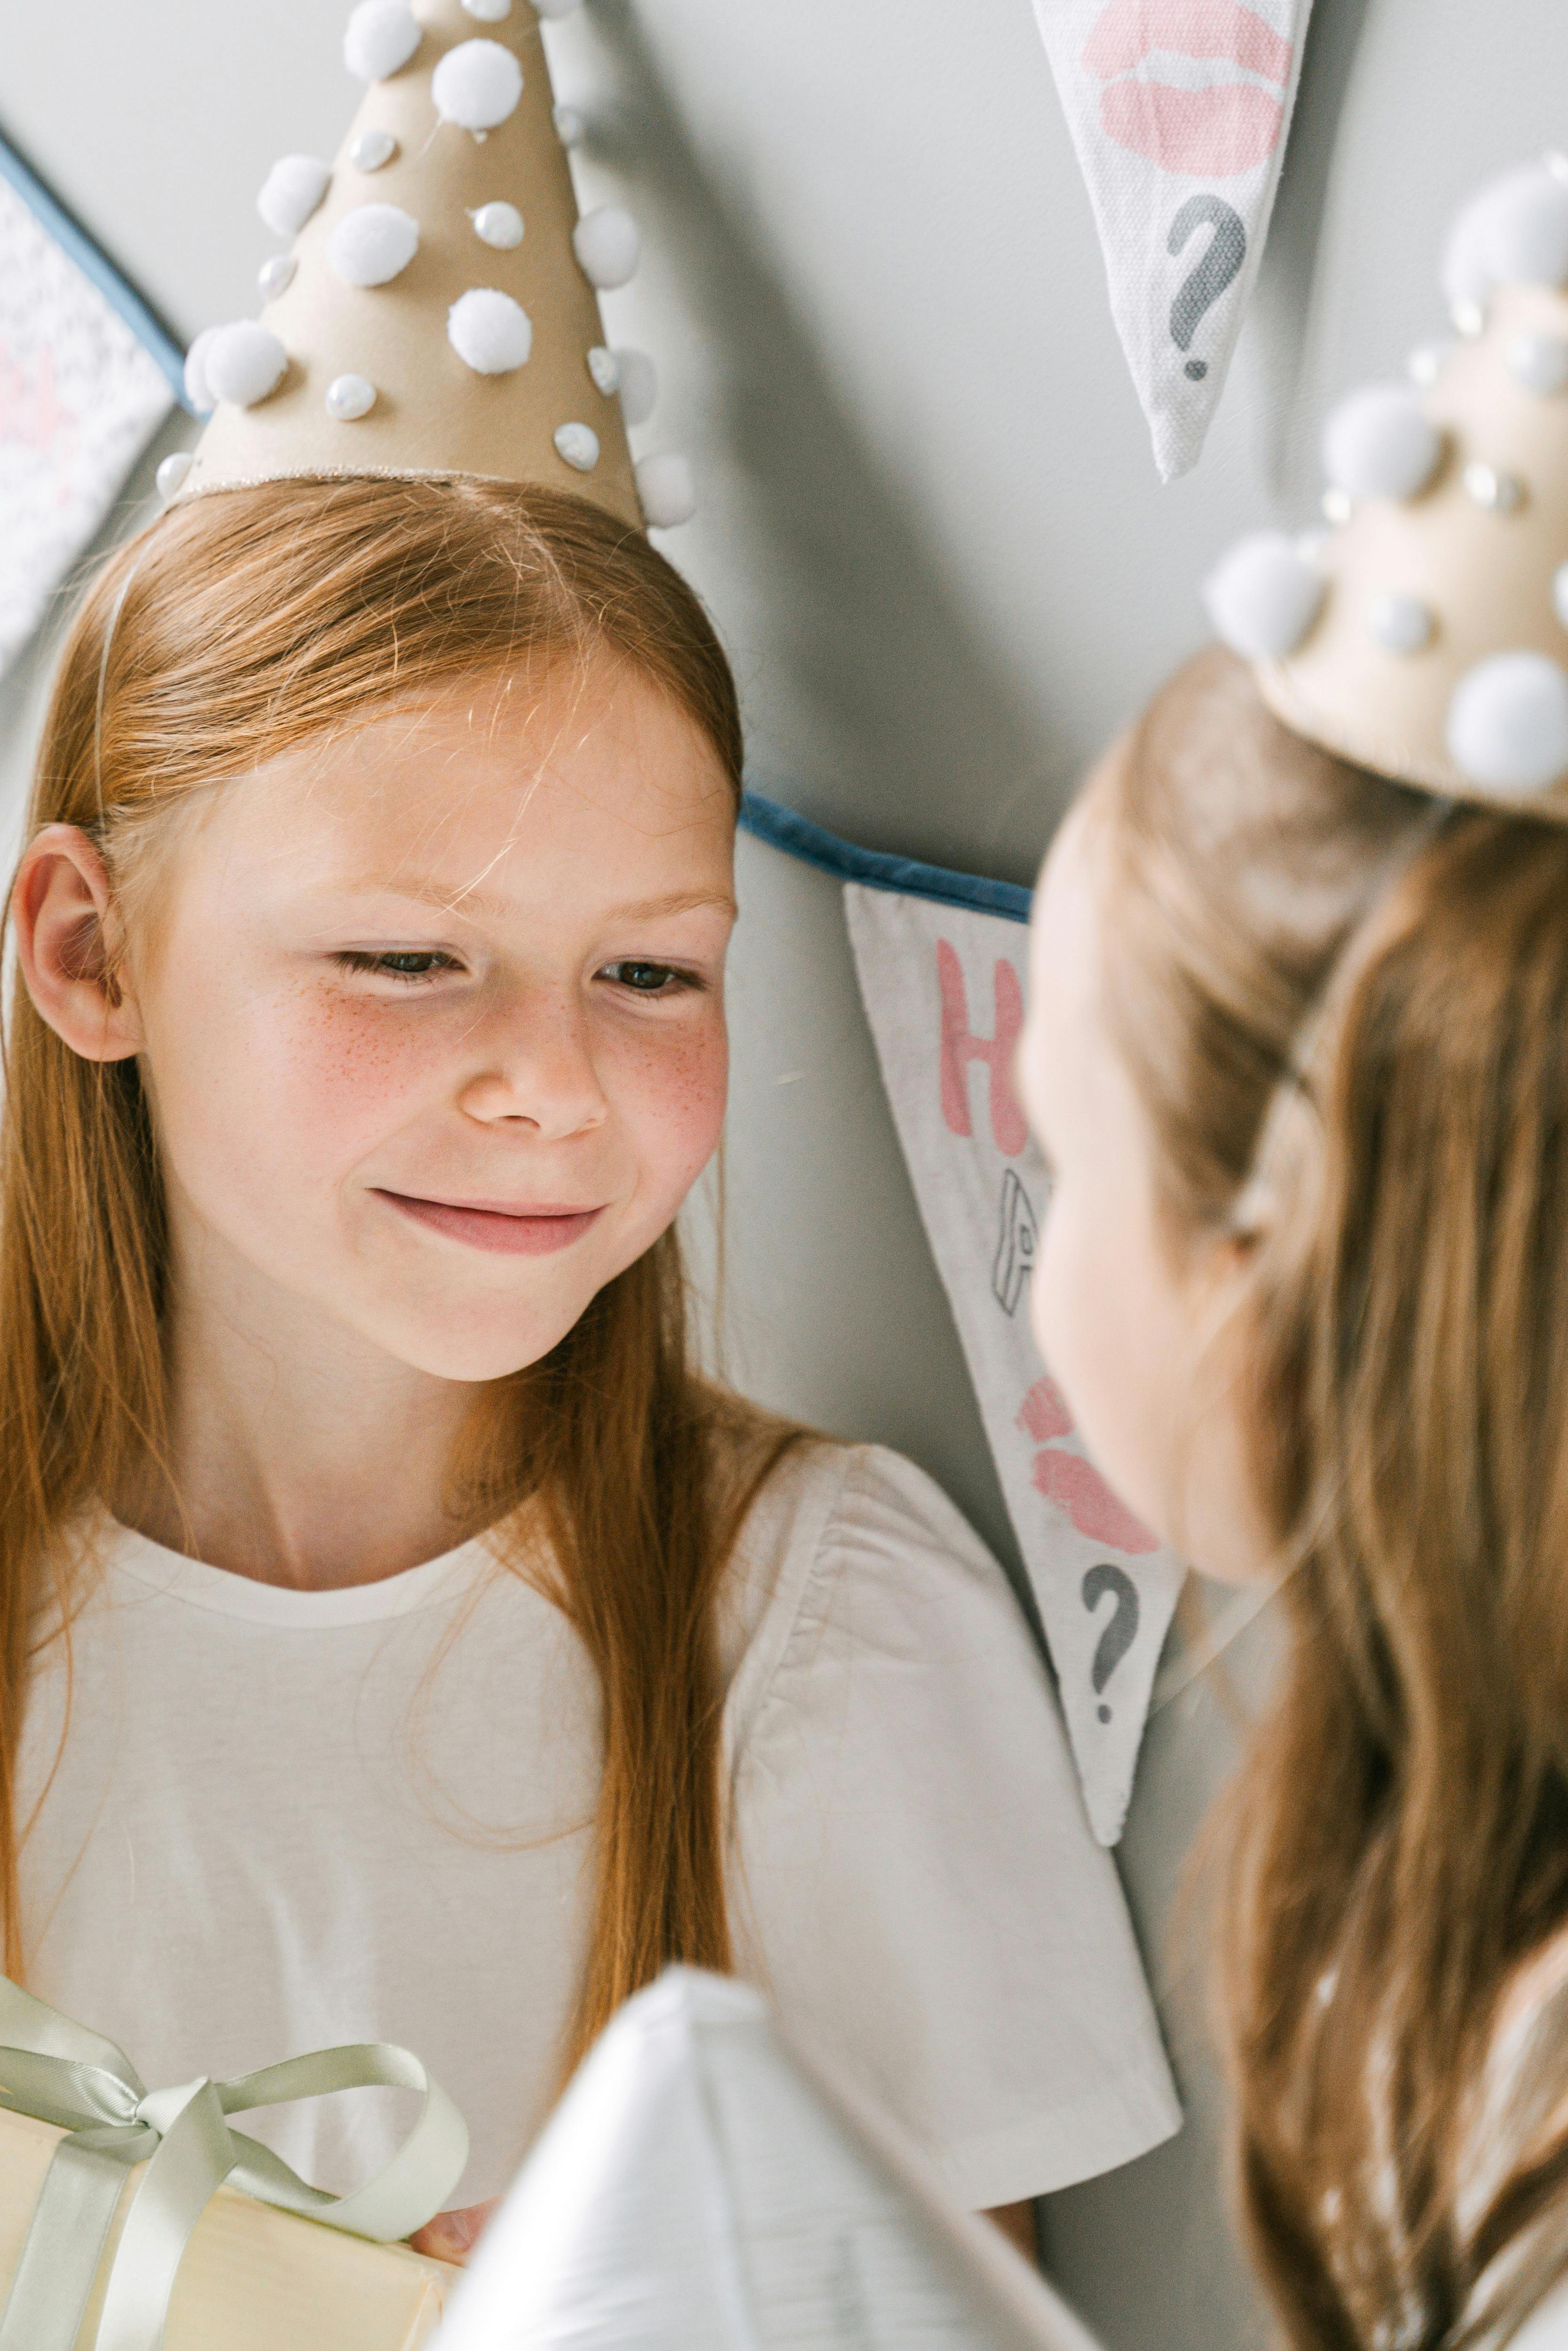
{"type": "Point", "coordinates": [1146, 1357]}
{"type": "Point", "coordinates": [431, 1016]}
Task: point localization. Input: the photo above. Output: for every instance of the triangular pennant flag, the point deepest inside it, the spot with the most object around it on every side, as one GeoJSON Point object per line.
{"type": "Point", "coordinates": [701, 2187]}
{"type": "Point", "coordinates": [1178, 111]}
{"type": "Point", "coordinates": [943, 987]}
{"type": "Point", "coordinates": [85, 378]}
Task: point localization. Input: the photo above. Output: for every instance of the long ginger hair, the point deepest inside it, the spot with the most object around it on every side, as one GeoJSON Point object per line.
{"type": "Point", "coordinates": [238, 626]}
{"type": "Point", "coordinates": [1345, 1007]}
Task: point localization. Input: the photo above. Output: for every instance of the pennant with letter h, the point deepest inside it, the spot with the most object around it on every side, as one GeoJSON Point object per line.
{"type": "Point", "coordinates": [1178, 111]}
{"type": "Point", "coordinates": [943, 987]}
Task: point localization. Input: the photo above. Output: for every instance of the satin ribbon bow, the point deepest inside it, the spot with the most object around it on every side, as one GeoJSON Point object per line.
{"type": "Point", "coordinates": [59, 2073]}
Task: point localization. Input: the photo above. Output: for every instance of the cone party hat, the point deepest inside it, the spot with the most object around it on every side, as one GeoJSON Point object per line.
{"type": "Point", "coordinates": [1426, 634]}
{"type": "Point", "coordinates": [437, 309]}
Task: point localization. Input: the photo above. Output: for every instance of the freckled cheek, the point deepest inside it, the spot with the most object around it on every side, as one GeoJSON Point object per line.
{"type": "Point", "coordinates": [670, 1090]}
{"type": "Point", "coordinates": [304, 1082]}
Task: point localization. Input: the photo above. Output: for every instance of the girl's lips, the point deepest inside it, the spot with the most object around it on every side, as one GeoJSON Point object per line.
{"type": "Point", "coordinates": [533, 1232]}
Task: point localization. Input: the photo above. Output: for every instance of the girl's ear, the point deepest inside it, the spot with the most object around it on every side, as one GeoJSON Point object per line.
{"type": "Point", "coordinates": [63, 918]}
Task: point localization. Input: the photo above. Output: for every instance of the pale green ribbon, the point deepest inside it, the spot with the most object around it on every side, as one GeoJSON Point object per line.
{"type": "Point", "coordinates": [61, 2073]}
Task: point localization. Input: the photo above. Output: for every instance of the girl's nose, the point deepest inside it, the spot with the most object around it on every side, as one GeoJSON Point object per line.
{"type": "Point", "coordinates": [535, 1064]}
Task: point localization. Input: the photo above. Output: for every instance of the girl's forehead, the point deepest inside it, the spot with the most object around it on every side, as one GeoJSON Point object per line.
{"type": "Point", "coordinates": [486, 794]}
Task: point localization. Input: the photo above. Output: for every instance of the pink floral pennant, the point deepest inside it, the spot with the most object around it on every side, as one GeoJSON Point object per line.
{"type": "Point", "coordinates": [1178, 111]}
{"type": "Point", "coordinates": [943, 988]}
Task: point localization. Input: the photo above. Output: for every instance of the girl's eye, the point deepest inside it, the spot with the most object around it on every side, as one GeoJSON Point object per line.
{"type": "Point", "coordinates": [401, 963]}
{"type": "Point", "coordinates": [650, 978]}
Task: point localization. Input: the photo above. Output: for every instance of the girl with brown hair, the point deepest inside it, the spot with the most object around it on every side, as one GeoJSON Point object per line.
{"type": "Point", "coordinates": [400, 1639]}
{"type": "Point", "coordinates": [1298, 1051]}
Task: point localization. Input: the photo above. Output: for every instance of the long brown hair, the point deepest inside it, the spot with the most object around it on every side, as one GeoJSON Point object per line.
{"type": "Point", "coordinates": [1347, 1004]}
{"type": "Point", "coordinates": [238, 626]}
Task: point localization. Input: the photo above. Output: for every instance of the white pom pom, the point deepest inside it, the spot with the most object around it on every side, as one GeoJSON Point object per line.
{"type": "Point", "coordinates": [1400, 625]}
{"type": "Point", "coordinates": [1508, 723]}
{"type": "Point", "coordinates": [244, 363]}
{"type": "Point", "coordinates": [570, 127]}
{"type": "Point", "coordinates": [170, 475]}
{"type": "Point", "coordinates": [291, 191]}
{"type": "Point", "coordinates": [1493, 486]}
{"type": "Point", "coordinates": [639, 386]}
{"type": "Point", "coordinates": [498, 224]}
{"type": "Point", "coordinates": [488, 12]}
{"type": "Point", "coordinates": [371, 244]}
{"type": "Point", "coordinates": [579, 445]}
{"type": "Point", "coordinates": [1513, 231]}
{"type": "Point", "coordinates": [668, 491]}
{"type": "Point", "coordinates": [489, 332]}
{"type": "Point", "coordinates": [275, 276]}
{"type": "Point", "coordinates": [1540, 363]}
{"type": "Point", "coordinates": [1380, 442]}
{"type": "Point", "coordinates": [1261, 597]}
{"type": "Point", "coordinates": [383, 36]}
{"type": "Point", "coordinates": [477, 85]}
{"type": "Point", "coordinates": [371, 149]}
{"type": "Point", "coordinates": [607, 245]}
{"type": "Point", "coordinates": [350, 397]}
{"type": "Point", "coordinates": [198, 391]}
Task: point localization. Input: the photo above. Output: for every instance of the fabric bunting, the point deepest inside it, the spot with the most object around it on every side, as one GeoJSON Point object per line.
{"type": "Point", "coordinates": [940, 961]}
{"type": "Point", "coordinates": [1178, 111]}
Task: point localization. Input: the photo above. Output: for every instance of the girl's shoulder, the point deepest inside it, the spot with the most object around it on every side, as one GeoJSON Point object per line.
{"type": "Point", "coordinates": [851, 1547]}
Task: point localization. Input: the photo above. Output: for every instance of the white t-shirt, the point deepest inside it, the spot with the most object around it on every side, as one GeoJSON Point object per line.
{"type": "Point", "coordinates": [279, 1819]}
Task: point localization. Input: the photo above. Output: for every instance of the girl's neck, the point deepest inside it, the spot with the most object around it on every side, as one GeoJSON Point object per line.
{"type": "Point", "coordinates": [299, 1452]}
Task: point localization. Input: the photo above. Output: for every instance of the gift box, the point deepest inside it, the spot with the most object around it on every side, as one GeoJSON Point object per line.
{"type": "Point", "coordinates": [252, 2279]}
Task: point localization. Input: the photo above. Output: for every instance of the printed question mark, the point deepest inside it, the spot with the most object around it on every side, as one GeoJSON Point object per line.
{"type": "Point", "coordinates": [1202, 286]}
{"type": "Point", "coordinates": [1122, 1630]}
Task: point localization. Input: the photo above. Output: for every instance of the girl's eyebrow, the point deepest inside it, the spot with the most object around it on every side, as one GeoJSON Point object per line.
{"type": "Point", "coordinates": [474, 903]}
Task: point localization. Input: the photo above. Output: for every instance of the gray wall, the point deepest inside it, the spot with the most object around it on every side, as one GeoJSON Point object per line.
{"type": "Point", "coordinates": [933, 539]}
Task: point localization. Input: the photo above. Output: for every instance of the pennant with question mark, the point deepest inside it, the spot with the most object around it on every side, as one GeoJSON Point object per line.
{"type": "Point", "coordinates": [1178, 111]}
{"type": "Point", "coordinates": [943, 988]}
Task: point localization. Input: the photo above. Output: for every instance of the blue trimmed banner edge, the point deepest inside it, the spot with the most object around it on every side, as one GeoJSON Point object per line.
{"type": "Point", "coordinates": [906, 877]}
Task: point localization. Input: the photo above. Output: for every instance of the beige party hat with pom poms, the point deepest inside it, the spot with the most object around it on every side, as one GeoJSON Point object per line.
{"type": "Point", "coordinates": [1426, 634]}
{"type": "Point", "coordinates": [437, 311]}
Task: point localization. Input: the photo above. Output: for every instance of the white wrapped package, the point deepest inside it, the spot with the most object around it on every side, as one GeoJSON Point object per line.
{"type": "Point", "coordinates": [701, 2188]}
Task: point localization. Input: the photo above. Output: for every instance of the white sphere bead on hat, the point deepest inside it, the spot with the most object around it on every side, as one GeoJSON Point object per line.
{"type": "Point", "coordinates": [244, 363]}
{"type": "Point", "coordinates": [371, 244]}
{"type": "Point", "coordinates": [579, 445]}
{"type": "Point", "coordinates": [170, 475]}
{"type": "Point", "coordinates": [1508, 723]}
{"type": "Point", "coordinates": [350, 397]}
{"type": "Point", "coordinates": [291, 191]}
{"type": "Point", "coordinates": [488, 12]}
{"type": "Point", "coordinates": [275, 276]}
{"type": "Point", "coordinates": [498, 224]}
{"type": "Point", "coordinates": [489, 332]}
{"type": "Point", "coordinates": [605, 369]}
{"type": "Point", "coordinates": [1379, 441]}
{"type": "Point", "coordinates": [1540, 363]}
{"type": "Point", "coordinates": [198, 391]}
{"type": "Point", "coordinates": [1262, 596]}
{"type": "Point", "coordinates": [1491, 486]}
{"type": "Point", "coordinates": [570, 126]}
{"type": "Point", "coordinates": [381, 36]}
{"type": "Point", "coordinates": [1400, 625]}
{"type": "Point", "coordinates": [1513, 231]}
{"type": "Point", "coordinates": [1426, 362]}
{"type": "Point", "coordinates": [477, 85]}
{"type": "Point", "coordinates": [607, 246]}
{"type": "Point", "coordinates": [371, 149]}
{"type": "Point", "coordinates": [639, 385]}
{"type": "Point", "coordinates": [668, 491]}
